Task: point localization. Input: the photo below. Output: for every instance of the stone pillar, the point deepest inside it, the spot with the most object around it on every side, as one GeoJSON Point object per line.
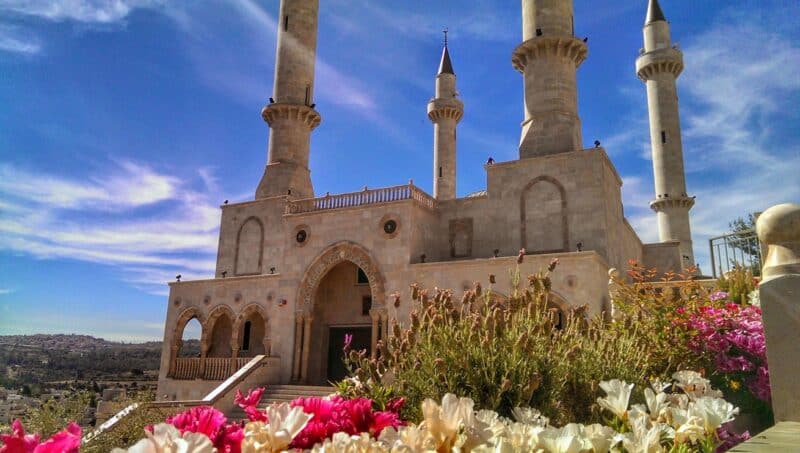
{"type": "Point", "coordinates": [290, 114]}
{"type": "Point", "coordinates": [234, 353]}
{"type": "Point", "coordinates": [203, 352]}
{"type": "Point", "coordinates": [779, 228]}
{"type": "Point", "coordinates": [548, 59]}
{"type": "Point", "coordinates": [375, 314]}
{"type": "Point", "coordinates": [306, 347]}
{"type": "Point", "coordinates": [173, 357]}
{"type": "Point", "coordinates": [298, 341]}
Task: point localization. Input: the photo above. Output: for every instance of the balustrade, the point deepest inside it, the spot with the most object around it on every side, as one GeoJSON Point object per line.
{"type": "Point", "coordinates": [213, 368]}
{"type": "Point", "coordinates": [364, 197]}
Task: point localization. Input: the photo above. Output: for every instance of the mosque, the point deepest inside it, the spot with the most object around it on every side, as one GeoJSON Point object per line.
{"type": "Point", "coordinates": [297, 270]}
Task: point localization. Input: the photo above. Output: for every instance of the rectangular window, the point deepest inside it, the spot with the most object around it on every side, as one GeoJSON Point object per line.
{"type": "Point", "coordinates": [361, 278]}
{"type": "Point", "coordinates": [308, 94]}
{"type": "Point", "coordinates": [663, 136]}
{"type": "Point", "coordinates": [440, 172]}
{"type": "Point", "coordinates": [285, 23]}
{"type": "Point", "coordinates": [366, 305]}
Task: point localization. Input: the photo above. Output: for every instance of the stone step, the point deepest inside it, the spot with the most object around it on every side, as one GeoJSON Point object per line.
{"type": "Point", "coordinates": [284, 394]}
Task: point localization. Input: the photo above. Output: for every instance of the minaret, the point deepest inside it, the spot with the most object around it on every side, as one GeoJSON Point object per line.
{"type": "Point", "coordinates": [659, 66]}
{"type": "Point", "coordinates": [548, 58]}
{"type": "Point", "coordinates": [445, 111]}
{"type": "Point", "coordinates": [290, 112]}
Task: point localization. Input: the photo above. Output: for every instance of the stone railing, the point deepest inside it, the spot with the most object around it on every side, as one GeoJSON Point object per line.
{"type": "Point", "coordinates": [256, 372]}
{"type": "Point", "coordinates": [209, 368]}
{"type": "Point", "coordinates": [364, 197]}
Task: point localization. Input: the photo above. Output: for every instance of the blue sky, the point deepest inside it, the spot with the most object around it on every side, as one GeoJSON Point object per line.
{"type": "Point", "coordinates": [125, 123]}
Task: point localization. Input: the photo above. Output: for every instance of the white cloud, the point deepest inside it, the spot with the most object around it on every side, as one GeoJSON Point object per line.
{"type": "Point", "coordinates": [91, 11]}
{"type": "Point", "coordinates": [99, 220]}
{"type": "Point", "coordinates": [130, 185]}
{"type": "Point", "coordinates": [6, 291]}
{"type": "Point", "coordinates": [14, 40]}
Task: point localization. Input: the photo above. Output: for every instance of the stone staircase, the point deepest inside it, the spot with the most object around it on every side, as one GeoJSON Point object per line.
{"type": "Point", "coordinates": [284, 394]}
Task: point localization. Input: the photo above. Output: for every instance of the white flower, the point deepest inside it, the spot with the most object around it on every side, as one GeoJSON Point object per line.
{"type": "Point", "coordinates": [691, 431]}
{"type": "Point", "coordinates": [445, 423]}
{"type": "Point", "coordinates": [165, 438]}
{"type": "Point", "coordinates": [754, 298]}
{"type": "Point", "coordinates": [618, 393]}
{"type": "Point", "coordinates": [694, 385]}
{"type": "Point", "coordinates": [342, 442]}
{"type": "Point", "coordinates": [529, 416]}
{"type": "Point", "coordinates": [523, 437]}
{"type": "Point", "coordinates": [656, 403]}
{"type": "Point", "coordinates": [564, 440]}
{"type": "Point", "coordinates": [644, 437]}
{"type": "Point", "coordinates": [407, 439]}
{"type": "Point", "coordinates": [601, 437]}
{"type": "Point", "coordinates": [713, 411]}
{"type": "Point", "coordinates": [284, 424]}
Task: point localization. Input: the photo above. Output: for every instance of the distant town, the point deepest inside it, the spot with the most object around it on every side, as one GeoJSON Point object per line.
{"type": "Point", "coordinates": [37, 368]}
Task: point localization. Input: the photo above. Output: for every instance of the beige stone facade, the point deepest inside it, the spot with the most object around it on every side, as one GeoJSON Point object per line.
{"type": "Point", "coordinates": [294, 272]}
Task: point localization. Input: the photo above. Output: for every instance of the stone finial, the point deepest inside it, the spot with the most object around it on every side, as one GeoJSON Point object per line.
{"type": "Point", "coordinates": [779, 229]}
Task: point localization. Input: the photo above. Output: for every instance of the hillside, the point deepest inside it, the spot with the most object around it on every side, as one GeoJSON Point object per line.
{"type": "Point", "coordinates": [41, 359]}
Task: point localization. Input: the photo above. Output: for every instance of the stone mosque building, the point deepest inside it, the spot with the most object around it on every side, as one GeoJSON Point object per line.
{"type": "Point", "coordinates": [297, 270]}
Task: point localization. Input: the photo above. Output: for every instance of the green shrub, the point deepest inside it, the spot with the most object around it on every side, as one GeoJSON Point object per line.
{"type": "Point", "coordinates": [503, 354]}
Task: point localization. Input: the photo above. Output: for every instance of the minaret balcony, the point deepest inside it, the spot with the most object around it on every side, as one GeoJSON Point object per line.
{"type": "Point", "coordinates": [547, 47]}
{"type": "Point", "coordinates": [663, 204]}
{"type": "Point", "coordinates": [304, 113]}
{"type": "Point", "coordinates": [666, 60]}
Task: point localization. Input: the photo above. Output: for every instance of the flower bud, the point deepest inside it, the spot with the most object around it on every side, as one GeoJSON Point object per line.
{"type": "Point", "coordinates": [553, 265]}
{"type": "Point", "coordinates": [478, 289]}
{"type": "Point", "coordinates": [521, 256]}
{"type": "Point", "coordinates": [506, 385]}
{"type": "Point", "coordinates": [415, 291]}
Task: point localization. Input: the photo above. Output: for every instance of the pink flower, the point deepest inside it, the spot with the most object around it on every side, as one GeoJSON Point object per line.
{"type": "Point", "coordinates": [211, 422]}
{"type": "Point", "coordinates": [760, 385]}
{"type": "Point", "coordinates": [67, 441]}
{"type": "Point", "coordinates": [18, 441]}
{"type": "Point", "coordinates": [252, 399]}
{"type": "Point", "coordinates": [383, 420]}
{"type": "Point", "coordinates": [348, 341]}
{"type": "Point", "coordinates": [396, 405]}
{"type": "Point", "coordinates": [718, 295]}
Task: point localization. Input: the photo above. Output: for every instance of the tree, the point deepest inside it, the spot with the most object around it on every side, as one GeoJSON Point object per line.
{"type": "Point", "coordinates": [744, 238]}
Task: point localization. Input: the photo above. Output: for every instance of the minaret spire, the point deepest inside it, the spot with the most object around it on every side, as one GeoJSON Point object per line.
{"type": "Point", "coordinates": [445, 111]}
{"type": "Point", "coordinates": [658, 67]}
{"type": "Point", "coordinates": [654, 13]}
{"type": "Point", "coordinates": [445, 66]}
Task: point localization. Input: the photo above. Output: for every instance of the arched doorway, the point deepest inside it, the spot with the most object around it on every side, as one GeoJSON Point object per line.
{"type": "Point", "coordinates": [185, 350]}
{"type": "Point", "coordinates": [342, 293]}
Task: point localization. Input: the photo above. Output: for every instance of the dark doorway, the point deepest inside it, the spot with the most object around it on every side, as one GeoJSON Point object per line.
{"type": "Point", "coordinates": [362, 337]}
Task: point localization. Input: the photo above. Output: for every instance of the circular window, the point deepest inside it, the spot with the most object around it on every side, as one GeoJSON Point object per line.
{"type": "Point", "coordinates": [390, 226]}
{"type": "Point", "coordinates": [301, 236]}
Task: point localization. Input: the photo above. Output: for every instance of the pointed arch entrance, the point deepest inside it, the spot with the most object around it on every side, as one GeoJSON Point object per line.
{"type": "Point", "coordinates": [342, 290]}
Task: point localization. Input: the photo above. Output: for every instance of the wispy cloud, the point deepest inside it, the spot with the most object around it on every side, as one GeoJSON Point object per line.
{"type": "Point", "coordinates": [145, 222]}
{"type": "Point", "coordinates": [6, 291]}
{"type": "Point", "coordinates": [97, 11]}
{"type": "Point", "coordinates": [14, 39]}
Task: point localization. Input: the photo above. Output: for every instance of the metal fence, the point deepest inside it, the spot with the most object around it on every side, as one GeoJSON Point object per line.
{"type": "Point", "coordinates": [740, 249]}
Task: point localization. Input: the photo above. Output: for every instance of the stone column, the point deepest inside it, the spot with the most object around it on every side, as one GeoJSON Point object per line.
{"type": "Point", "coordinates": [375, 314]}
{"type": "Point", "coordinates": [203, 352]}
{"type": "Point", "coordinates": [173, 357]}
{"type": "Point", "coordinates": [779, 228]}
{"type": "Point", "coordinates": [234, 354]}
{"type": "Point", "coordinates": [306, 347]}
{"type": "Point", "coordinates": [298, 340]}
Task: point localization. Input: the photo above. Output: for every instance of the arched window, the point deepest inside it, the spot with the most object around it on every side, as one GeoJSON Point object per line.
{"type": "Point", "coordinates": [190, 339]}
{"type": "Point", "coordinates": [543, 216]}
{"type": "Point", "coordinates": [249, 247]}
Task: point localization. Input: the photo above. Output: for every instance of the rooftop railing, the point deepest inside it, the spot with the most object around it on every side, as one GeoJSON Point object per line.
{"type": "Point", "coordinates": [362, 198]}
